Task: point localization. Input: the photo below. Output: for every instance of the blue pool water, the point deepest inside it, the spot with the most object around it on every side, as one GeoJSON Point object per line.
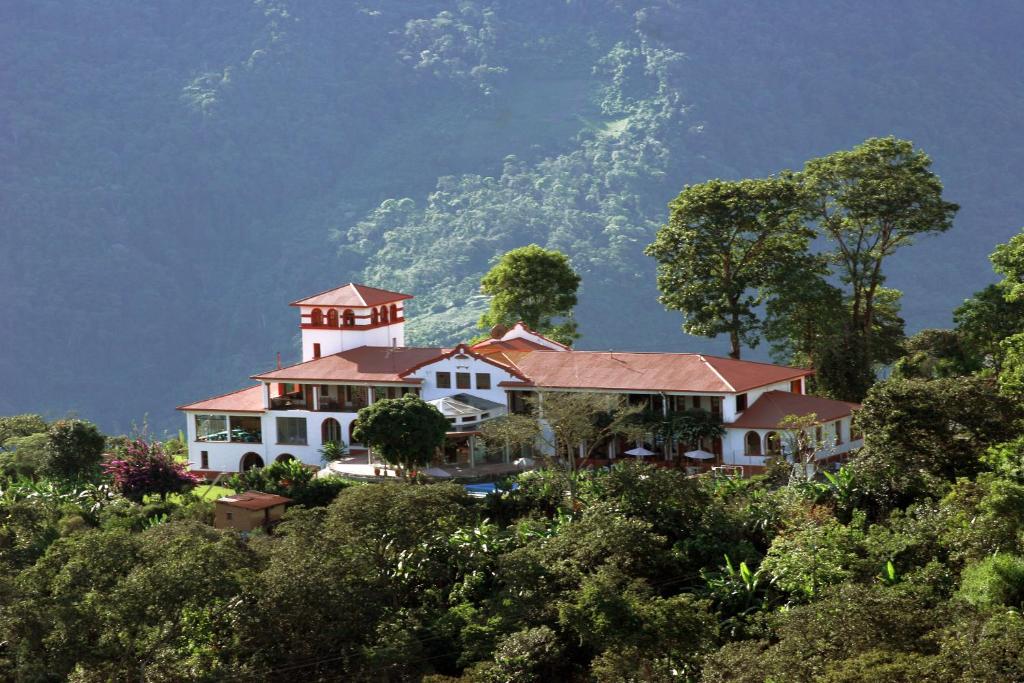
{"type": "Point", "coordinates": [481, 490]}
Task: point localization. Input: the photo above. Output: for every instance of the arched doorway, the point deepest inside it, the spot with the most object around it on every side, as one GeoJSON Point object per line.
{"type": "Point", "coordinates": [251, 460]}
{"type": "Point", "coordinates": [330, 431]}
{"type": "Point", "coordinates": [284, 457]}
{"type": "Point", "coordinates": [773, 443]}
{"type": "Point", "coordinates": [752, 443]}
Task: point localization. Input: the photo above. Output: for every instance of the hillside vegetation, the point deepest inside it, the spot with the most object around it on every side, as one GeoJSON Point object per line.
{"type": "Point", "coordinates": [173, 176]}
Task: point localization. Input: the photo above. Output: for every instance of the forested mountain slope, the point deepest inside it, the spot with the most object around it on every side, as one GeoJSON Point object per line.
{"type": "Point", "coordinates": [173, 174]}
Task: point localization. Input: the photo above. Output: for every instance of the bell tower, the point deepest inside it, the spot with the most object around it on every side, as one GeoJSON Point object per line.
{"type": "Point", "coordinates": [348, 317]}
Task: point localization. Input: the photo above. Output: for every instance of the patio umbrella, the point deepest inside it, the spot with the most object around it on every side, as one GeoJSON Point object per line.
{"type": "Point", "coordinates": [699, 455]}
{"type": "Point", "coordinates": [437, 473]}
{"type": "Point", "coordinates": [640, 452]}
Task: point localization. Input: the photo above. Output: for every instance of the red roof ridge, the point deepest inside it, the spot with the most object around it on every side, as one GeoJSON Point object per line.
{"type": "Point", "coordinates": [717, 373]}
{"type": "Point", "coordinates": [185, 406]}
{"type": "Point", "coordinates": [357, 288]}
{"type": "Point", "coordinates": [341, 353]}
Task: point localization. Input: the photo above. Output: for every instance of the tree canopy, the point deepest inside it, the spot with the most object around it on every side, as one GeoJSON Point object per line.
{"type": "Point", "coordinates": [725, 244]}
{"type": "Point", "coordinates": [404, 431]}
{"type": "Point", "coordinates": [536, 286]}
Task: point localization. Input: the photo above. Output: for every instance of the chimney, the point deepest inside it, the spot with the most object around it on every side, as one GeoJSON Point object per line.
{"type": "Point", "coordinates": [278, 360]}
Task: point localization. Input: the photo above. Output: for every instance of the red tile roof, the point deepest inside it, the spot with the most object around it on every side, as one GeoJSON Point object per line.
{"type": "Point", "coordinates": [254, 500]}
{"type": "Point", "coordinates": [771, 406]}
{"type": "Point", "coordinates": [242, 401]}
{"type": "Point", "coordinates": [364, 364]}
{"type": "Point", "coordinates": [352, 296]}
{"type": "Point", "coordinates": [648, 371]}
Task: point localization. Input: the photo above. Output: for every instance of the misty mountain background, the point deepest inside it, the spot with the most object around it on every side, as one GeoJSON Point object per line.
{"type": "Point", "coordinates": [173, 174]}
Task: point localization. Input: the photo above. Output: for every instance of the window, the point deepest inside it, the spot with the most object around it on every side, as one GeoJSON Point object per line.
{"type": "Point", "coordinates": [204, 460]}
{"type": "Point", "coordinates": [716, 406]}
{"type": "Point", "coordinates": [211, 427]}
{"type": "Point", "coordinates": [444, 380]}
{"type": "Point", "coordinates": [348, 318]}
{"type": "Point", "coordinates": [318, 317]}
{"type": "Point", "coordinates": [819, 436]}
{"type": "Point", "coordinates": [247, 429]}
{"type": "Point", "coordinates": [839, 431]}
{"type": "Point", "coordinates": [394, 312]}
{"type": "Point", "coordinates": [332, 318]}
{"type": "Point", "coordinates": [752, 443]}
{"type": "Point", "coordinates": [383, 314]}
{"type": "Point", "coordinates": [471, 418]}
{"type": "Point", "coordinates": [741, 403]}
{"type": "Point", "coordinates": [796, 386]}
{"type": "Point", "coordinates": [462, 380]}
{"type": "Point", "coordinates": [316, 350]}
{"type": "Point", "coordinates": [291, 430]}
{"type": "Point", "coordinates": [696, 402]}
{"type": "Point", "coordinates": [374, 318]}
{"type": "Point", "coordinates": [230, 515]}
{"type": "Point", "coordinates": [483, 380]}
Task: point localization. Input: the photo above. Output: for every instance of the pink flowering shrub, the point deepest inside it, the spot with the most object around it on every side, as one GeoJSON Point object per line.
{"type": "Point", "coordinates": [141, 468]}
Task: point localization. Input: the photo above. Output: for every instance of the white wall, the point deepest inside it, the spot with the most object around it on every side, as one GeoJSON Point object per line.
{"type": "Point", "coordinates": [227, 457]}
{"type": "Point", "coordinates": [733, 443]}
{"type": "Point", "coordinates": [334, 341]}
{"type": "Point", "coordinates": [430, 391]}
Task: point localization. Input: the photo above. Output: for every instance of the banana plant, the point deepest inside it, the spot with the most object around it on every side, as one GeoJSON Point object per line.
{"type": "Point", "coordinates": [889, 577]}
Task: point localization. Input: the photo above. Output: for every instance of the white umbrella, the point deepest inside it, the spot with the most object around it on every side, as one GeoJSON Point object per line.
{"type": "Point", "coordinates": [639, 451]}
{"type": "Point", "coordinates": [699, 455]}
{"type": "Point", "coordinates": [523, 463]}
{"type": "Point", "coordinates": [437, 472]}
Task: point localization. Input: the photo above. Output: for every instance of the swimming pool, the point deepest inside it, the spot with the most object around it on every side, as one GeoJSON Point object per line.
{"type": "Point", "coordinates": [484, 489]}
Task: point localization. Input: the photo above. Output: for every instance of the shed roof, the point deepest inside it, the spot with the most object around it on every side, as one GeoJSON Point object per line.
{"type": "Point", "coordinates": [384, 364]}
{"type": "Point", "coordinates": [613, 370]}
{"type": "Point", "coordinates": [772, 406]}
{"type": "Point", "coordinates": [242, 401]}
{"type": "Point", "coordinates": [254, 500]}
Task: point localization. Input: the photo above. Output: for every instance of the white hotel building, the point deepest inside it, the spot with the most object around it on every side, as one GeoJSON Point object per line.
{"type": "Point", "coordinates": [354, 353]}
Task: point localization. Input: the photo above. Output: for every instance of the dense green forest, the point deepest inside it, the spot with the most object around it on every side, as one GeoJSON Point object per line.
{"type": "Point", "coordinates": [172, 176]}
{"type": "Point", "coordinates": [905, 564]}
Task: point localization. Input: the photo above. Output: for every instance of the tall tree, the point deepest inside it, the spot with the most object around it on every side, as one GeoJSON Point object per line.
{"type": "Point", "coordinates": [534, 285]}
{"type": "Point", "coordinates": [986, 319]}
{"type": "Point", "coordinates": [870, 201]}
{"type": "Point", "coordinates": [724, 244]}
{"type": "Point", "coordinates": [1008, 261]}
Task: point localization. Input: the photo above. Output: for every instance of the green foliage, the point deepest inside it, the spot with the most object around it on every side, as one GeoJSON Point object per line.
{"type": "Point", "coordinates": [933, 354]}
{"type": "Point", "coordinates": [1008, 261]}
{"type": "Point", "coordinates": [724, 244]}
{"type": "Point", "coordinates": [291, 479]}
{"type": "Point", "coordinates": [404, 431]}
{"type": "Point", "coordinates": [15, 426]}
{"type": "Point", "coordinates": [922, 434]}
{"type": "Point", "coordinates": [997, 580]}
{"type": "Point", "coordinates": [24, 456]}
{"type": "Point", "coordinates": [535, 286]}
{"type": "Point", "coordinates": [985, 320]}
{"type": "Point", "coordinates": [74, 450]}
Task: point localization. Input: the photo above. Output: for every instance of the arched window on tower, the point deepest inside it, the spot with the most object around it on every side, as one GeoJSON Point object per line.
{"type": "Point", "coordinates": [317, 318]}
{"type": "Point", "coordinates": [752, 443]}
{"type": "Point", "coordinates": [394, 312]}
{"type": "Point", "coordinates": [332, 318]}
{"type": "Point", "coordinates": [374, 319]}
{"type": "Point", "coordinates": [348, 318]}
{"type": "Point", "coordinates": [383, 314]}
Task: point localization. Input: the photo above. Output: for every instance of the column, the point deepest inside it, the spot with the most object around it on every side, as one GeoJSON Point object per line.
{"type": "Point", "coordinates": [266, 396]}
{"type": "Point", "coordinates": [316, 397]}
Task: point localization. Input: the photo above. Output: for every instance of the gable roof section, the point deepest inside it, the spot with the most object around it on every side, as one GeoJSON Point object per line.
{"type": "Point", "coordinates": [770, 407]}
{"type": "Point", "coordinates": [462, 349]}
{"type": "Point", "coordinates": [489, 346]}
{"type": "Point", "coordinates": [352, 295]}
{"type": "Point", "coordinates": [610, 370]}
{"type": "Point", "coordinates": [242, 401]}
{"type": "Point", "coordinates": [382, 364]}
